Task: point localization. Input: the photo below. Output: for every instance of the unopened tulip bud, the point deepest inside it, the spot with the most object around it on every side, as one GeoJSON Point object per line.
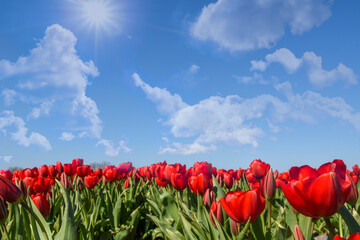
{"type": "Point", "coordinates": [269, 185]}
{"type": "Point", "coordinates": [235, 227]}
{"type": "Point", "coordinates": [81, 184]}
{"type": "Point", "coordinates": [216, 210]}
{"type": "Point", "coordinates": [9, 191]}
{"type": "Point", "coordinates": [23, 188]}
{"type": "Point", "coordinates": [354, 194]}
{"type": "Point", "coordinates": [127, 183]}
{"type": "Point", "coordinates": [103, 180]}
{"type": "Point", "coordinates": [298, 235]}
{"type": "Point", "coordinates": [65, 182]}
{"type": "Point", "coordinates": [209, 198]}
{"type": "Point", "coordinates": [219, 180]}
{"type": "Point", "coordinates": [3, 211]}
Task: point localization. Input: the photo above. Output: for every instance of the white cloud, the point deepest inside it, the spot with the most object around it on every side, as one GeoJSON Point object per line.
{"type": "Point", "coordinates": [110, 150]}
{"type": "Point", "coordinates": [193, 69]}
{"type": "Point", "coordinates": [253, 24]}
{"type": "Point", "coordinates": [165, 101]}
{"type": "Point", "coordinates": [231, 119]}
{"type": "Point", "coordinates": [8, 119]}
{"type": "Point", "coordinates": [255, 79]}
{"type": "Point", "coordinates": [6, 158]}
{"type": "Point", "coordinates": [67, 136]}
{"type": "Point", "coordinates": [318, 76]}
{"type": "Point", "coordinates": [44, 109]}
{"type": "Point", "coordinates": [9, 96]}
{"type": "Point", "coordinates": [187, 149]}
{"type": "Point", "coordinates": [51, 73]}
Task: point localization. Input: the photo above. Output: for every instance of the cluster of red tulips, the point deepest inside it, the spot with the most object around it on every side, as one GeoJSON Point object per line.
{"type": "Point", "coordinates": [234, 200]}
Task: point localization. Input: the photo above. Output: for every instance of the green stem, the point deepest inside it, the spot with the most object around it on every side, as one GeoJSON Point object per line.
{"type": "Point", "coordinates": [349, 220]}
{"type": "Point", "coordinates": [24, 204]}
{"type": "Point", "coordinates": [269, 214]}
{"type": "Point", "coordinates": [330, 227]}
{"type": "Point", "coordinates": [5, 231]}
{"type": "Point", "coordinates": [341, 227]}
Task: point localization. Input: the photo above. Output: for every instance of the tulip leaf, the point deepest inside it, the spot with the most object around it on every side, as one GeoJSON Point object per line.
{"type": "Point", "coordinates": [243, 232]}
{"type": "Point", "coordinates": [42, 220]}
{"type": "Point", "coordinates": [290, 217]}
{"type": "Point", "coordinates": [219, 193]}
{"type": "Point", "coordinates": [257, 230]}
{"type": "Point", "coordinates": [67, 230]}
{"type": "Point", "coordinates": [305, 224]}
{"type": "Point", "coordinates": [349, 220]}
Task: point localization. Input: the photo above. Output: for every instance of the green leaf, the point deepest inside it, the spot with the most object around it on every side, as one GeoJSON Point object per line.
{"type": "Point", "coordinates": [349, 220]}
{"type": "Point", "coordinates": [219, 193]}
{"type": "Point", "coordinates": [68, 229]}
{"type": "Point", "coordinates": [243, 232]}
{"type": "Point", "coordinates": [42, 220]}
{"type": "Point", "coordinates": [257, 230]}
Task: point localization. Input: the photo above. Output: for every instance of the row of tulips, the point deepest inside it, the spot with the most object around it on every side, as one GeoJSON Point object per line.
{"type": "Point", "coordinates": [170, 201]}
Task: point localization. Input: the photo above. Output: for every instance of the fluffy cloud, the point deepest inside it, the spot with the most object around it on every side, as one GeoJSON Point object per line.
{"type": "Point", "coordinates": [53, 74]}
{"type": "Point", "coordinates": [318, 76]}
{"type": "Point", "coordinates": [67, 136]}
{"type": "Point", "coordinates": [6, 158]}
{"type": "Point", "coordinates": [44, 109]}
{"type": "Point", "coordinates": [253, 24]}
{"type": "Point", "coordinates": [231, 119]}
{"type": "Point", "coordinates": [110, 150]}
{"type": "Point", "coordinates": [187, 149]}
{"type": "Point", "coordinates": [166, 102]}
{"type": "Point", "coordinates": [8, 120]}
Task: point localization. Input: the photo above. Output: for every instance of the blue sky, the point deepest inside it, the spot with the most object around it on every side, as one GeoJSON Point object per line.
{"type": "Point", "coordinates": [150, 80]}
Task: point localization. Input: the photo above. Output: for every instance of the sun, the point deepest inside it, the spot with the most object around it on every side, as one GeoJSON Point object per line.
{"type": "Point", "coordinates": [99, 14]}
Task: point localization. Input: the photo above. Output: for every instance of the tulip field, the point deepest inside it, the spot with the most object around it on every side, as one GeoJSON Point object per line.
{"type": "Point", "coordinates": [171, 201]}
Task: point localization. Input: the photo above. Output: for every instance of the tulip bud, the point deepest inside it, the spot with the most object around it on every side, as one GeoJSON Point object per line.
{"type": "Point", "coordinates": [23, 188]}
{"type": "Point", "coordinates": [80, 184]}
{"type": "Point", "coordinates": [209, 198]}
{"type": "Point", "coordinates": [3, 211]}
{"type": "Point", "coordinates": [235, 227]}
{"type": "Point", "coordinates": [219, 179]}
{"type": "Point", "coordinates": [65, 182]}
{"type": "Point", "coordinates": [103, 180]}
{"type": "Point", "coordinates": [269, 185]}
{"type": "Point", "coordinates": [216, 210]}
{"type": "Point", "coordinates": [127, 183]}
{"type": "Point", "coordinates": [298, 235]}
{"type": "Point", "coordinates": [354, 194]}
{"type": "Point", "coordinates": [9, 191]}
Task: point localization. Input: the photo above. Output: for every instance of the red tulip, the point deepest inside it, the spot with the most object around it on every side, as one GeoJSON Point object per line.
{"type": "Point", "coordinates": [259, 168]}
{"type": "Point", "coordinates": [317, 193]}
{"type": "Point", "coordinates": [69, 169]}
{"type": "Point", "coordinates": [161, 183]}
{"type": "Point", "coordinates": [43, 171]}
{"type": "Point", "coordinates": [241, 205]}
{"type": "Point", "coordinates": [9, 191]}
{"type": "Point", "coordinates": [199, 183]}
{"type": "Point", "coordinates": [91, 181]}
{"type": "Point", "coordinates": [83, 170]}
{"type": "Point", "coordinates": [77, 162]}
{"type": "Point", "coordinates": [179, 181]}
{"type": "Point", "coordinates": [228, 179]}
{"type": "Point", "coordinates": [202, 167]}
{"type": "Point", "coordinates": [111, 173]}
{"type": "Point", "coordinates": [355, 236]}
{"type": "Point", "coordinates": [53, 171]}
{"type": "Point", "coordinates": [125, 167]}
{"type": "Point", "coordinates": [6, 173]}
{"type": "Point", "coordinates": [217, 211]}
{"type": "Point", "coordinates": [42, 204]}
{"type": "Point", "coordinates": [59, 167]}
{"type": "Point", "coordinates": [39, 185]}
